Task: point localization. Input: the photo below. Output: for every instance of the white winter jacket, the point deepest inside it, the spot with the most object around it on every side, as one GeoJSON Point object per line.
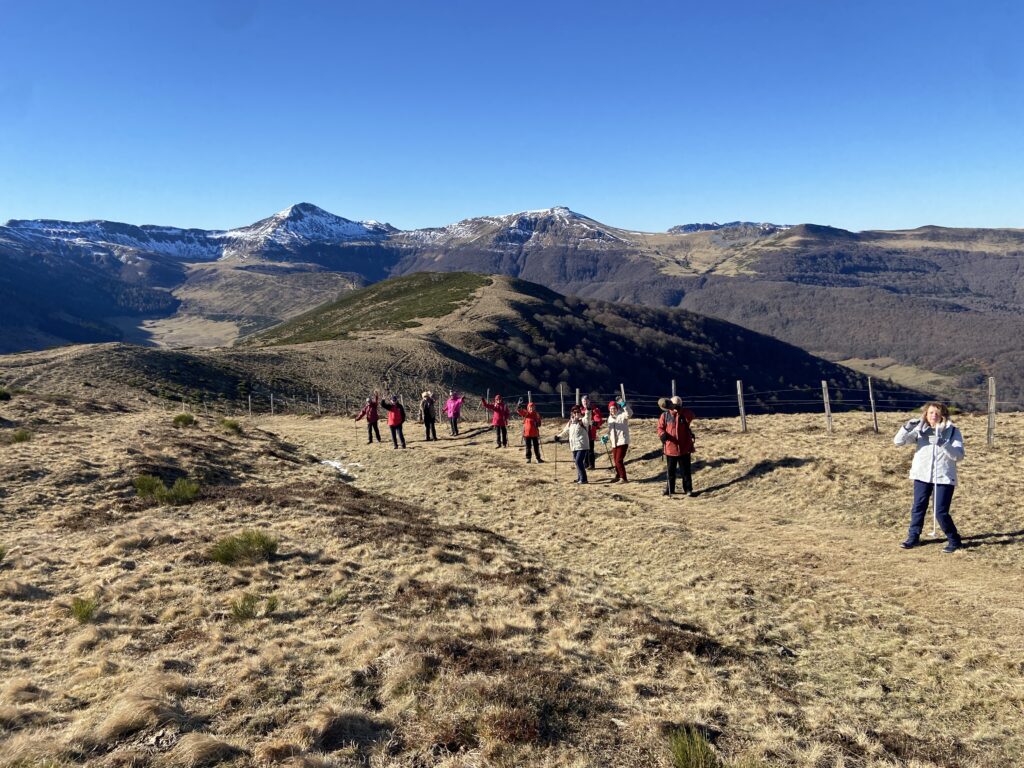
{"type": "Point", "coordinates": [618, 427]}
{"type": "Point", "coordinates": [938, 451]}
{"type": "Point", "coordinates": [579, 434]}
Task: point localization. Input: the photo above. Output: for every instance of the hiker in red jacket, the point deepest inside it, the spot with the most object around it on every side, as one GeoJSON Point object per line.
{"type": "Point", "coordinates": [500, 414]}
{"type": "Point", "coordinates": [596, 420]}
{"type": "Point", "coordinates": [677, 442]}
{"type": "Point", "coordinates": [396, 418]}
{"type": "Point", "coordinates": [531, 431]}
{"type": "Point", "coordinates": [369, 412]}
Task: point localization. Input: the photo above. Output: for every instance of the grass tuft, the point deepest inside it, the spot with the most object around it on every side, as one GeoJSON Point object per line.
{"type": "Point", "coordinates": [3, 553]}
{"type": "Point", "coordinates": [244, 548]}
{"type": "Point", "coordinates": [4, 394]}
{"type": "Point", "coordinates": [231, 426]}
{"type": "Point", "coordinates": [184, 420]}
{"type": "Point", "coordinates": [184, 491]}
{"type": "Point", "coordinates": [20, 436]}
{"type": "Point", "coordinates": [84, 609]}
{"type": "Point", "coordinates": [691, 750]}
{"type": "Point", "coordinates": [247, 607]}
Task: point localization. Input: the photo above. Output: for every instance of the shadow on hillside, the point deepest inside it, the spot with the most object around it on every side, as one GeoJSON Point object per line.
{"type": "Point", "coordinates": [697, 465]}
{"type": "Point", "coordinates": [760, 469]}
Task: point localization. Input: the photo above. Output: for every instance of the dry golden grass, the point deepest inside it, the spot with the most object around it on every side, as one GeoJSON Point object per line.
{"type": "Point", "coordinates": [552, 625]}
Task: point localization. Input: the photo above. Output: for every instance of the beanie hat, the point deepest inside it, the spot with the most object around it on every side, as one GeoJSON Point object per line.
{"type": "Point", "coordinates": [612, 403]}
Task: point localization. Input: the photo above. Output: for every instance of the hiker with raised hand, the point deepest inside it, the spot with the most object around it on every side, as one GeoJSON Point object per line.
{"type": "Point", "coordinates": [938, 447]}
{"type": "Point", "coordinates": [578, 431]}
{"type": "Point", "coordinates": [453, 410]}
{"type": "Point", "coordinates": [677, 442]}
{"type": "Point", "coordinates": [370, 413]}
{"type": "Point", "coordinates": [619, 414]}
{"type": "Point", "coordinates": [596, 420]}
{"type": "Point", "coordinates": [500, 415]}
{"type": "Point", "coordinates": [428, 412]}
{"type": "Point", "coordinates": [396, 418]}
{"type": "Point", "coordinates": [531, 430]}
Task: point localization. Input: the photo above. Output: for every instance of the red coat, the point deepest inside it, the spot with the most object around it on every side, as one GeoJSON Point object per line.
{"type": "Point", "coordinates": [596, 420]}
{"type": "Point", "coordinates": [499, 413]}
{"type": "Point", "coordinates": [531, 422]}
{"type": "Point", "coordinates": [675, 433]}
{"type": "Point", "coordinates": [396, 413]}
{"type": "Point", "coordinates": [369, 412]}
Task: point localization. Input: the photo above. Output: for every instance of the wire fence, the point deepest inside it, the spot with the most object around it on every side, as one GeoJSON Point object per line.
{"type": "Point", "coordinates": [738, 403]}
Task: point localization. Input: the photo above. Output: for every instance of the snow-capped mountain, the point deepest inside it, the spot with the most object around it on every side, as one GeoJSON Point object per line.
{"type": "Point", "coordinates": [765, 227]}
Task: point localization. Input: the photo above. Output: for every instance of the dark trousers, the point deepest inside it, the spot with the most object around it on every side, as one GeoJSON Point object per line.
{"type": "Point", "coordinates": [591, 455]}
{"type": "Point", "coordinates": [679, 465]}
{"type": "Point", "coordinates": [396, 435]}
{"type": "Point", "coordinates": [453, 424]}
{"type": "Point", "coordinates": [371, 430]}
{"type": "Point", "coordinates": [430, 425]}
{"type": "Point", "coordinates": [534, 444]}
{"type": "Point", "coordinates": [943, 498]}
{"type": "Point", "coordinates": [618, 459]}
{"type": "Point", "coordinates": [502, 435]}
{"type": "Point", "coordinates": [579, 458]}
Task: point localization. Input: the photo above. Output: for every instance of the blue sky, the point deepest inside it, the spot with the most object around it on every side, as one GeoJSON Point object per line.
{"type": "Point", "coordinates": [642, 115]}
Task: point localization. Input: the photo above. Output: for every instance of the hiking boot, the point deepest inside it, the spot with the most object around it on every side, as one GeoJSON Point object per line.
{"type": "Point", "coordinates": [951, 547]}
{"type": "Point", "coordinates": [614, 479]}
{"type": "Point", "coordinates": [666, 493]}
{"type": "Point", "coordinates": [908, 544]}
{"type": "Point", "coordinates": [540, 461]}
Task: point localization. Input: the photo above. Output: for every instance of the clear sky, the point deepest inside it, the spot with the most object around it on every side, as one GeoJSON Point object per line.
{"type": "Point", "coordinates": [216, 113]}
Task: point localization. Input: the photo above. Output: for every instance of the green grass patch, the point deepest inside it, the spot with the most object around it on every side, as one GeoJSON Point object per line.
{"type": "Point", "coordinates": [231, 426]}
{"type": "Point", "coordinates": [184, 491]}
{"type": "Point", "coordinates": [691, 750]}
{"type": "Point", "coordinates": [244, 548]}
{"type": "Point", "coordinates": [184, 420]}
{"type": "Point", "coordinates": [389, 305]}
{"type": "Point", "coordinates": [19, 436]}
{"type": "Point", "coordinates": [84, 609]}
{"type": "Point", "coordinates": [247, 607]}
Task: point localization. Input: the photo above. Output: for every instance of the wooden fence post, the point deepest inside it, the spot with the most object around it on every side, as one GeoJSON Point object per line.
{"type": "Point", "coordinates": [828, 405]}
{"type": "Point", "coordinates": [673, 387]}
{"type": "Point", "coordinates": [874, 412]}
{"type": "Point", "coordinates": [271, 403]}
{"type": "Point", "coordinates": [743, 411]}
{"type": "Point", "coordinates": [991, 436]}
{"type": "Point", "coordinates": [577, 395]}
{"type": "Point", "coordinates": [250, 405]}
{"type": "Point", "coordinates": [319, 410]}
{"type": "Point", "coordinates": [561, 396]}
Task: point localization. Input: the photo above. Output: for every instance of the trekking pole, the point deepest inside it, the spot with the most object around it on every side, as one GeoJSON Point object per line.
{"type": "Point", "coordinates": [604, 442]}
{"type": "Point", "coordinates": [935, 509]}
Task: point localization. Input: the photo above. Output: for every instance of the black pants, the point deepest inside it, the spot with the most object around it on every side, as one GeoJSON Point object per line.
{"type": "Point", "coordinates": [396, 435]}
{"type": "Point", "coordinates": [579, 458]}
{"type": "Point", "coordinates": [682, 464]}
{"type": "Point", "coordinates": [453, 424]}
{"type": "Point", "coordinates": [430, 426]}
{"type": "Point", "coordinates": [502, 435]}
{"type": "Point", "coordinates": [591, 455]}
{"type": "Point", "coordinates": [534, 444]}
{"type": "Point", "coordinates": [371, 430]}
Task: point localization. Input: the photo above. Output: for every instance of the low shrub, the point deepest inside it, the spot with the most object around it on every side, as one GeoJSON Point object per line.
{"type": "Point", "coordinates": [247, 607]}
{"type": "Point", "coordinates": [21, 436]}
{"type": "Point", "coordinates": [246, 547]}
{"type": "Point", "coordinates": [183, 491]}
{"type": "Point", "coordinates": [691, 750]}
{"type": "Point", "coordinates": [184, 420]}
{"type": "Point", "coordinates": [84, 609]}
{"type": "Point", "coordinates": [4, 394]}
{"type": "Point", "coordinates": [231, 425]}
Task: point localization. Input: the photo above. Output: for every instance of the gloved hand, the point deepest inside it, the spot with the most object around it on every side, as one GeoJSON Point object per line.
{"type": "Point", "coordinates": [604, 439]}
{"type": "Point", "coordinates": [911, 425]}
{"type": "Point", "coordinates": [558, 439]}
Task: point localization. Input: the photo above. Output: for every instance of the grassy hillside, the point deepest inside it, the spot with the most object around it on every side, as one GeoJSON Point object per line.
{"type": "Point", "coordinates": [293, 614]}
{"type": "Point", "coordinates": [390, 305]}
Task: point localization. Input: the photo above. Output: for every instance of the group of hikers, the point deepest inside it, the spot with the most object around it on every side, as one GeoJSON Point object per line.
{"type": "Point", "coordinates": [938, 444]}
{"type": "Point", "coordinates": [582, 430]}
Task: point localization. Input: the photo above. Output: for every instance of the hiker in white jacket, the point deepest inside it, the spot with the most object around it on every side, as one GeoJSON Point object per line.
{"type": "Point", "coordinates": [939, 446]}
{"type": "Point", "coordinates": [619, 414]}
{"type": "Point", "coordinates": [578, 430]}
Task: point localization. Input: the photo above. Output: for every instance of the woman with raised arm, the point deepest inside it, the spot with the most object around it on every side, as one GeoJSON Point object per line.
{"type": "Point", "coordinates": [578, 431]}
{"type": "Point", "coordinates": [938, 447]}
{"type": "Point", "coordinates": [453, 410]}
{"type": "Point", "coordinates": [396, 418]}
{"type": "Point", "coordinates": [500, 414]}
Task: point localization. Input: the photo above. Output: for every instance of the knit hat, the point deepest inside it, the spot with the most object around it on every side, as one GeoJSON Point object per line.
{"type": "Point", "coordinates": [611, 404]}
{"type": "Point", "coordinates": [677, 400]}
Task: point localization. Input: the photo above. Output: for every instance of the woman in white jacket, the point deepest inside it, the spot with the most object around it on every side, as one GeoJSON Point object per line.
{"type": "Point", "coordinates": [578, 430]}
{"type": "Point", "coordinates": [939, 446]}
{"type": "Point", "coordinates": [619, 415]}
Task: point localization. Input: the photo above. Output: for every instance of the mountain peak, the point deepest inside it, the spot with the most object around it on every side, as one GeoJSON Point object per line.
{"type": "Point", "coordinates": [303, 210]}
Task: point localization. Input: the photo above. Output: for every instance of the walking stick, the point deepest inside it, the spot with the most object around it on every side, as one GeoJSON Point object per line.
{"type": "Point", "coordinates": [935, 509]}
{"type": "Point", "coordinates": [604, 442]}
